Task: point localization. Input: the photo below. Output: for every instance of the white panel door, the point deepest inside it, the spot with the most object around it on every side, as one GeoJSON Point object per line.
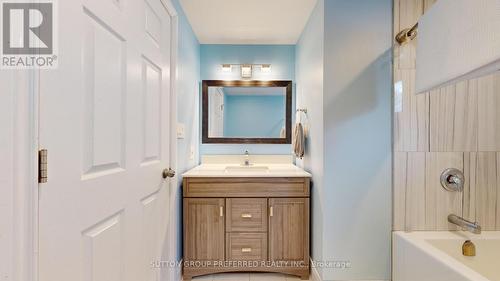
{"type": "Point", "coordinates": [104, 118]}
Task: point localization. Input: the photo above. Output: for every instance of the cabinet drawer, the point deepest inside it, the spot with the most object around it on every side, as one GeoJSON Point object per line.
{"type": "Point", "coordinates": [246, 215]}
{"type": "Point", "coordinates": [246, 246]}
{"type": "Point", "coordinates": [246, 187]}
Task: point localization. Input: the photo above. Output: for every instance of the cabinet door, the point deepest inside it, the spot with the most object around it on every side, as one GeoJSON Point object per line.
{"type": "Point", "coordinates": [204, 229]}
{"type": "Point", "coordinates": [289, 229]}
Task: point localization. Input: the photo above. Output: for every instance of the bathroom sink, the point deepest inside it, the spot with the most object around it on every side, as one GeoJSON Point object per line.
{"type": "Point", "coordinates": [232, 166]}
{"type": "Point", "coordinates": [251, 169]}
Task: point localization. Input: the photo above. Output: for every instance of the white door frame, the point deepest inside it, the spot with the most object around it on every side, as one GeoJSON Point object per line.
{"type": "Point", "coordinates": [24, 166]}
{"type": "Point", "coordinates": [21, 167]}
{"type": "Point", "coordinates": [173, 273]}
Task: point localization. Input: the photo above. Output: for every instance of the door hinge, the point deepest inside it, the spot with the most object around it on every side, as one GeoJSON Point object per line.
{"type": "Point", "coordinates": [42, 165]}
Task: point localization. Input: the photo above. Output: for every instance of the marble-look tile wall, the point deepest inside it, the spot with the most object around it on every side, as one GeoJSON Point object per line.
{"type": "Point", "coordinates": [457, 126]}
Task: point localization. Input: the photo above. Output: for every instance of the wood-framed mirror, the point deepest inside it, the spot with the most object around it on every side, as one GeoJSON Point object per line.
{"type": "Point", "coordinates": [250, 112]}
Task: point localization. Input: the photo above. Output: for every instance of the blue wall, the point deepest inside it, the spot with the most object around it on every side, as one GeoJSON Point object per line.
{"type": "Point", "coordinates": [188, 77]}
{"type": "Point", "coordinates": [344, 78]}
{"type": "Point", "coordinates": [282, 60]}
{"type": "Point", "coordinates": [254, 116]}
{"type": "Point", "coordinates": [309, 75]}
{"type": "Point", "coordinates": [358, 138]}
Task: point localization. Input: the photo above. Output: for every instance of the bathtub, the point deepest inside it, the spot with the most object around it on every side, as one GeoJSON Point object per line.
{"type": "Point", "coordinates": [437, 256]}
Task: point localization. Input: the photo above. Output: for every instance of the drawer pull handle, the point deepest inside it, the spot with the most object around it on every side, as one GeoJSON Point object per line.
{"type": "Point", "coordinates": [246, 250]}
{"type": "Point", "coordinates": [221, 211]}
{"type": "Point", "coordinates": [271, 211]}
{"type": "Point", "coordinates": [246, 216]}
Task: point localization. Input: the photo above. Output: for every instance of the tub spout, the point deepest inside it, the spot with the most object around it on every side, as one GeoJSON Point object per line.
{"type": "Point", "coordinates": [465, 224]}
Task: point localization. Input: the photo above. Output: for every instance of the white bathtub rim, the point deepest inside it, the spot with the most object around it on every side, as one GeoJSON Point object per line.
{"type": "Point", "coordinates": [421, 235]}
{"type": "Point", "coordinates": [418, 238]}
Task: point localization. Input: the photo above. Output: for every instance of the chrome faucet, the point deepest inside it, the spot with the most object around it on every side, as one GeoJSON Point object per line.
{"type": "Point", "coordinates": [465, 224]}
{"type": "Point", "coordinates": [247, 158]}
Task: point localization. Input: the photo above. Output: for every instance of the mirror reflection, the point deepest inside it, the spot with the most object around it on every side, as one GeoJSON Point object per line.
{"type": "Point", "coordinates": [246, 112]}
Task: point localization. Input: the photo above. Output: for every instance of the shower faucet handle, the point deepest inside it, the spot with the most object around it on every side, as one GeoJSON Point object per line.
{"type": "Point", "coordinates": [453, 180]}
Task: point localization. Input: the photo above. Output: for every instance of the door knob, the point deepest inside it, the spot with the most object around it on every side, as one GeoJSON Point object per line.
{"type": "Point", "coordinates": [168, 173]}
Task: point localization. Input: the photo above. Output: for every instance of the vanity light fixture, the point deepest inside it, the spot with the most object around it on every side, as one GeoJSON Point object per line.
{"type": "Point", "coordinates": [227, 68]}
{"type": "Point", "coordinates": [246, 71]}
{"type": "Point", "coordinates": [265, 68]}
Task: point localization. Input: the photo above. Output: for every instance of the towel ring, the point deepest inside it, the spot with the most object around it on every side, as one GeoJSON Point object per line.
{"type": "Point", "coordinates": [303, 110]}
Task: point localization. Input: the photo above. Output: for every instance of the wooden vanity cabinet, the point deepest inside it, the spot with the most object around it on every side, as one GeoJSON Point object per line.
{"type": "Point", "coordinates": [204, 229]}
{"type": "Point", "coordinates": [246, 225]}
{"type": "Point", "coordinates": [288, 238]}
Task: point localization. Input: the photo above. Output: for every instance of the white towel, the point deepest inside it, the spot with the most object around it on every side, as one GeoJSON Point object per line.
{"type": "Point", "coordinates": [457, 40]}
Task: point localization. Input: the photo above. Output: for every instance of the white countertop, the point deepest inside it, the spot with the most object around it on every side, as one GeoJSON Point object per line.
{"type": "Point", "coordinates": [254, 170]}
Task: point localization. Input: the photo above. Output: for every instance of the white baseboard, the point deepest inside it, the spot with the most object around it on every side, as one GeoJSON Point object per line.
{"type": "Point", "coordinates": [316, 277]}
{"type": "Point", "coordinates": [178, 273]}
{"type": "Point", "coordinates": [314, 273]}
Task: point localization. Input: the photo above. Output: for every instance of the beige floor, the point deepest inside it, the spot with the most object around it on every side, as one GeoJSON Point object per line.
{"type": "Point", "coordinates": [247, 277]}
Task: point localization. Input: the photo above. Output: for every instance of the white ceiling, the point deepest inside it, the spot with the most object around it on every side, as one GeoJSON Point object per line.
{"type": "Point", "coordinates": [248, 21]}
